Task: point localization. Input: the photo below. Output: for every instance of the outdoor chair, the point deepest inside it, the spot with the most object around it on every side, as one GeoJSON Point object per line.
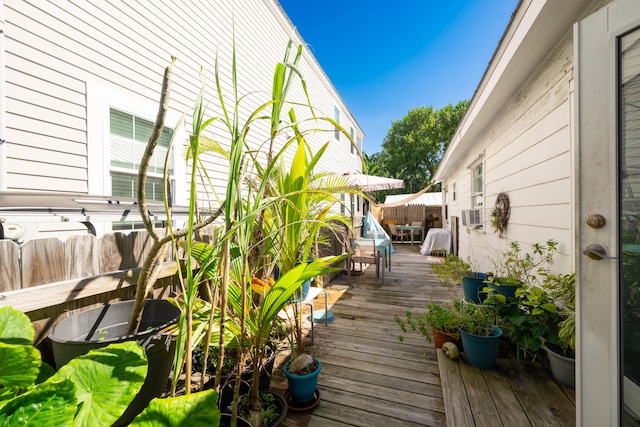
{"type": "Point", "coordinates": [365, 253]}
{"type": "Point", "coordinates": [288, 313]}
{"type": "Point", "coordinates": [417, 233]}
{"type": "Point", "coordinates": [395, 233]}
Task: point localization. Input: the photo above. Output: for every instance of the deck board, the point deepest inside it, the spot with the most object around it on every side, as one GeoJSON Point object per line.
{"type": "Point", "coordinates": [371, 378]}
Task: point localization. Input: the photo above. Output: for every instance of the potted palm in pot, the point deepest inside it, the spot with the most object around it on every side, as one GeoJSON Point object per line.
{"type": "Point", "coordinates": [296, 228]}
{"type": "Point", "coordinates": [272, 219]}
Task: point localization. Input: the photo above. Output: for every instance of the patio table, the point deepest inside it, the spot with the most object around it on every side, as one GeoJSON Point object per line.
{"type": "Point", "coordinates": [411, 229]}
{"type": "Point", "coordinates": [437, 239]}
{"type": "Point", "coordinates": [382, 245]}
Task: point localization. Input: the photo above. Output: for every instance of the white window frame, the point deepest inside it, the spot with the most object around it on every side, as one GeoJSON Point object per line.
{"type": "Point", "coordinates": [454, 188]}
{"type": "Point", "coordinates": [100, 99]}
{"type": "Point", "coordinates": [352, 134]}
{"type": "Point", "coordinates": [475, 194]}
{"type": "Point", "coordinates": [336, 116]}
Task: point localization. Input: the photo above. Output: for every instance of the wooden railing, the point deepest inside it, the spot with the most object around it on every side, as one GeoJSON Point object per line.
{"type": "Point", "coordinates": [48, 279]}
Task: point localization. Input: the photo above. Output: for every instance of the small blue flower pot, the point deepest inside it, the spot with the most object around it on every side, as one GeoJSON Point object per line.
{"type": "Point", "coordinates": [481, 351]}
{"type": "Point", "coordinates": [303, 387]}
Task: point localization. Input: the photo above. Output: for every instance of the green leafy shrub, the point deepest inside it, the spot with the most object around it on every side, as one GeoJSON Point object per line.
{"type": "Point", "coordinates": [445, 318]}
{"type": "Point", "coordinates": [452, 269]}
{"type": "Point", "coordinates": [479, 319]}
{"type": "Point", "coordinates": [516, 267]}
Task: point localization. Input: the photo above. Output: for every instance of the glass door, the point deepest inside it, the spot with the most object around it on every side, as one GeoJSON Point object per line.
{"type": "Point", "coordinates": [607, 160]}
{"type": "Point", "coordinates": [629, 229]}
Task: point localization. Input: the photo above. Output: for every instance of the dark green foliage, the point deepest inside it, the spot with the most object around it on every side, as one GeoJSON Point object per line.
{"type": "Point", "coordinates": [532, 315]}
{"type": "Point", "coordinates": [415, 144]}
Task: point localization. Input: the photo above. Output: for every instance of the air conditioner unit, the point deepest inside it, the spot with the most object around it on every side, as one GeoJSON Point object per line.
{"type": "Point", "coordinates": [471, 217]}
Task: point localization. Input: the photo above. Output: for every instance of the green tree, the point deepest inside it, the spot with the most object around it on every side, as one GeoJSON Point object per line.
{"type": "Point", "coordinates": [414, 145]}
{"type": "Point", "coordinates": [372, 164]}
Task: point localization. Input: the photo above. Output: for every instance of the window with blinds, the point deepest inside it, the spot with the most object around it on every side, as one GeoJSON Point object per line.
{"type": "Point", "coordinates": [336, 117]}
{"type": "Point", "coordinates": [128, 138]}
{"type": "Point", "coordinates": [477, 186]}
{"type": "Point", "coordinates": [352, 134]}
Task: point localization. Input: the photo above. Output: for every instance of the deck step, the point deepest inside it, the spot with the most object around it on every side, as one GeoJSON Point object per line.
{"type": "Point", "coordinates": [509, 394]}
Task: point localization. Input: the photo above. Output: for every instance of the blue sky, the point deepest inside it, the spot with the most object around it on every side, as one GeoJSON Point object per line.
{"type": "Point", "coordinates": [387, 57]}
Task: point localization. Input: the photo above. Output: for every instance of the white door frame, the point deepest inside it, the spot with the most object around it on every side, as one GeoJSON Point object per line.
{"type": "Point", "coordinates": [598, 388]}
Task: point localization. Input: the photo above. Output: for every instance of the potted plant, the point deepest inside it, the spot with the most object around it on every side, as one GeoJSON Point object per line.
{"type": "Point", "coordinates": [560, 346]}
{"type": "Point", "coordinates": [101, 326]}
{"type": "Point", "coordinates": [302, 375]}
{"type": "Point", "coordinates": [456, 271]}
{"type": "Point", "coordinates": [526, 318]}
{"type": "Point", "coordinates": [273, 217]}
{"type": "Point", "coordinates": [438, 324]}
{"type": "Point", "coordinates": [514, 268]}
{"type": "Point", "coordinates": [296, 228]}
{"type": "Point", "coordinates": [480, 334]}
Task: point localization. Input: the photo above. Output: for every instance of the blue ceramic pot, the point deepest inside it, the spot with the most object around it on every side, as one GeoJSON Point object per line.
{"type": "Point", "coordinates": [472, 287]}
{"type": "Point", "coordinates": [481, 351]}
{"type": "Point", "coordinates": [303, 387]}
{"type": "Point", "coordinates": [508, 291]}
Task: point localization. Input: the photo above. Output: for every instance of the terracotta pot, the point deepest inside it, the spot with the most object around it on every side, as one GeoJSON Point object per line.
{"type": "Point", "coordinates": [440, 337]}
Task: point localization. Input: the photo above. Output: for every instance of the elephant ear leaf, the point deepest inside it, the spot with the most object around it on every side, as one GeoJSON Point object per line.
{"type": "Point", "coordinates": [19, 360]}
{"type": "Point", "coordinates": [48, 405]}
{"type": "Point", "coordinates": [15, 326]}
{"type": "Point", "coordinates": [107, 380]}
{"type": "Point", "coordinates": [197, 409]}
{"type": "Point", "coordinates": [19, 365]}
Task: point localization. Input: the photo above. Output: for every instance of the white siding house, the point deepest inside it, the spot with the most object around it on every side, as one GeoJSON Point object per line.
{"type": "Point", "coordinates": [80, 80]}
{"type": "Point", "coordinates": [552, 124]}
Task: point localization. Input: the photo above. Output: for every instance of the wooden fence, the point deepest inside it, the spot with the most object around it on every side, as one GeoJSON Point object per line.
{"type": "Point", "coordinates": [49, 279]}
{"type": "Point", "coordinates": [429, 216]}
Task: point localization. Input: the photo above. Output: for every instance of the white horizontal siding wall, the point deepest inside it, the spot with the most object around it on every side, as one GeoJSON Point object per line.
{"type": "Point", "coordinates": [526, 152]}
{"type": "Point", "coordinates": [67, 61]}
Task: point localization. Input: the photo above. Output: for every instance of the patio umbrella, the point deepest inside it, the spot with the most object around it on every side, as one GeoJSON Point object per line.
{"type": "Point", "coordinates": [372, 182]}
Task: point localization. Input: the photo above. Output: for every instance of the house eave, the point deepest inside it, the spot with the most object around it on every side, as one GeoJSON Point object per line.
{"type": "Point", "coordinates": [536, 27]}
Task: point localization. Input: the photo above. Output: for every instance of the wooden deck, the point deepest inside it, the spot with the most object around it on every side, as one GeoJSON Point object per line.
{"type": "Point", "coordinates": [512, 393]}
{"type": "Point", "coordinates": [370, 378]}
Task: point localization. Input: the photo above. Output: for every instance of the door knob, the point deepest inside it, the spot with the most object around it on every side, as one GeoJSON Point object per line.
{"type": "Point", "coordinates": [596, 221]}
{"type": "Point", "coordinates": [596, 252]}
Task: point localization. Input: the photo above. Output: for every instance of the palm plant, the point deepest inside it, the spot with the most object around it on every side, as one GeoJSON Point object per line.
{"type": "Point", "coordinates": [269, 216]}
{"type": "Point", "coordinates": [257, 230]}
{"type": "Point", "coordinates": [301, 222]}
